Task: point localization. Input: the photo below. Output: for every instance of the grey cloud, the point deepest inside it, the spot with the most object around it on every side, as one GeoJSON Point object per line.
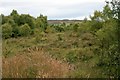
{"type": "Point", "coordinates": [53, 11]}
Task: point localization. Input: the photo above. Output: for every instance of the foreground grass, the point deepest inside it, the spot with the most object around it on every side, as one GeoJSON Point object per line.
{"type": "Point", "coordinates": [34, 64]}
{"type": "Point", "coordinates": [65, 54]}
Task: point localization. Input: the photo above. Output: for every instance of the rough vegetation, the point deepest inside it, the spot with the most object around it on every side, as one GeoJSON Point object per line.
{"type": "Point", "coordinates": [87, 49]}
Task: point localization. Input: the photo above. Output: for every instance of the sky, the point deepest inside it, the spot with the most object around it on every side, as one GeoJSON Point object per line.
{"type": "Point", "coordinates": [54, 9]}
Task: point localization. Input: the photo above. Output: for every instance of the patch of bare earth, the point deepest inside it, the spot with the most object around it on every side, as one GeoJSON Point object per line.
{"type": "Point", "coordinates": [35, 63]}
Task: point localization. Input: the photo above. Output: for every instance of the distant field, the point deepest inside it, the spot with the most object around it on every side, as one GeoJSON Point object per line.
{"type": "Point", "coordinates": [63, 21]}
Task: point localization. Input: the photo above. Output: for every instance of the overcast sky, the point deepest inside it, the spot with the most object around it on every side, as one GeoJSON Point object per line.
{"type": "Point", "coordinates": [54, 9]}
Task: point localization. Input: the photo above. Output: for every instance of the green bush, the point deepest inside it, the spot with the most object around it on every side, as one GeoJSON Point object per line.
{"type": "Point", "coordinates": [84, 27]}
{"type": "Point", "coordinates": [75, 27]}
{"type": "Point", "coordinates": [95, 25]}
{"type": "Point", "coordinates": [40, 37]}
{"type": "Point", "coordinates": [59, 28]}
{"type": "Point", "coordinates": [6, 30]}
{"type": "Point", "coordinates": [15, 31]}
{"type": "Point", "coordinates": [24, 30]}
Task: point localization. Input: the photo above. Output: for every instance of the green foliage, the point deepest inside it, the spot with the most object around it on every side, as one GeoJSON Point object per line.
{"type": "Point", "coordinates": [108, 31]}
{"type": "Point", "coordinates": [40, 37]}
{"type": "Point", "coordinates": [26, 18]}
{"type": "Point", "coordinates": [24, 30]}
{"type": "Point", "coordinates": [71, 57]}
{"type": "Point", "coordinates": [95, 25]}
{"type": "Point", "coordinates": [100, 36]}
{"type": "Point", "coordinates": [14, 14]}
{"type": "Point", "coordinates": [17, 21]}
{"type": "Point", "coordinates": [59, 37]}
{"type": "Point", "coordinates": [107, 12]}
{"type": "Point", "coordinates": [41, 22]}
{"type": "Point", "coordinates": [97, 15]}
{"type": "Point", "coordinates": [59, 28]}
{"type": "Point", "coordinates": [84, 27]}
{"type": "Point", "coordinates": [7, 19]}
{"type": "Point", "coordinates": [6, 30]}
{"type": "Point", "coordinates": [15, 31]}
{"type": "Point", "coordinates": [108, 50]}
{"type": "Point", "coordinates": [75, 27]}
{"type": "Point", "coordinates": [50, 29]}
{"type": "Point", "coordinates": [97, 21]}
{"type": "Point", "coordinates": [37, 31]}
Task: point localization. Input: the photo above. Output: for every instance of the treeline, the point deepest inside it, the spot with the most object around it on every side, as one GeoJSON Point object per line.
{"type": "Point", "coordinates": [15, 25]}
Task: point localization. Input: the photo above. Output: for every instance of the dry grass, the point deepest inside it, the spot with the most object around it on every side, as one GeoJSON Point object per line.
{"type": "Point", "coordinates": [34, 63]}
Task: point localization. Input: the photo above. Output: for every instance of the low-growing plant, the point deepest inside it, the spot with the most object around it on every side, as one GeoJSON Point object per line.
{"type": "Point", "coordinates": [71, 57]}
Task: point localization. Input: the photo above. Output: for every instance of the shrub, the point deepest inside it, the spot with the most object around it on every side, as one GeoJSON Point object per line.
{"type": "Point", "coordinates": [50, 30]}
{"type": "Point", "coordinates": [75, 27]}
{"type": "Point", "coordinates": [24, 30]}
{"type": "Point", "coordinates": [40, 37]}
{"type": "Point", "coordinates": [6, 30]}
{"type": "Point", "coordinates": [15, 31]}
{"type": "Point", "coordinates": [59, 28]}
{"type": "Point", "coordinates": [36, 31]}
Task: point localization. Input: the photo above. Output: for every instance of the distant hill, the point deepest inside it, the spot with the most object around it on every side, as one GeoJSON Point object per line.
{"type": "Point", "coordinates": [63, 21]}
